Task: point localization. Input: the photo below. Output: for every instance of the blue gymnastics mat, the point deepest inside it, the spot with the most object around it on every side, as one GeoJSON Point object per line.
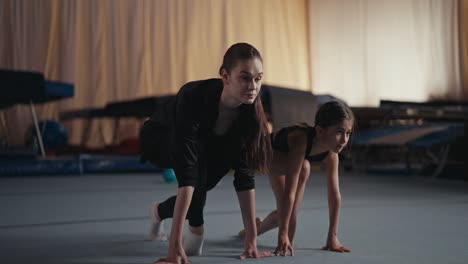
{"type": "Point", "coordinates": [422, 148]}
{"type": "Point", "coordinates": [411, 135]}
{"type": "Point", "coordinates": [74, 165]}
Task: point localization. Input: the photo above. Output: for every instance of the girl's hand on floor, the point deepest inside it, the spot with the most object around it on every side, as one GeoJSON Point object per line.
{"type": "Point", "coordinates": [284, 245]}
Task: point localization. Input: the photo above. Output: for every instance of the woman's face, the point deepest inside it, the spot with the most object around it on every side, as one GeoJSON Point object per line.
{"type": "Point", "coordinates": [244, 81]}
{"type": "Point", "coordinates": [337, 136]}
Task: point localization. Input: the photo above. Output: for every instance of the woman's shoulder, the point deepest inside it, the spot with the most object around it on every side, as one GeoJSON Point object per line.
{"type": "Point", "coordinates": [200, 87]}
{"type": "Point", "coordinates": [200, 98]}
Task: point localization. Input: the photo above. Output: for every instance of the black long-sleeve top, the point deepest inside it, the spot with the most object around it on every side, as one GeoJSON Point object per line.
{"type": "Point", "coordinates": [200, 157]}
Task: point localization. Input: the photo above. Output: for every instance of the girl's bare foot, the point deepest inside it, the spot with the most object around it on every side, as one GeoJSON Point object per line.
{"type": "Point", "coordinates": [258, 222]}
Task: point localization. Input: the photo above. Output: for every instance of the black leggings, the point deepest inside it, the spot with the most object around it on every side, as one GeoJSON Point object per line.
{"type": "Point", "coordinates": [195, 211]}
{"type": "Point", "coordinates": [155, 143]}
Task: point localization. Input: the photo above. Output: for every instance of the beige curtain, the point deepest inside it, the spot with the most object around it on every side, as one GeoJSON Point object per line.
{"type": "Point", "coordinates": [124, 49]}
{"type": "Point", "coordinates": [463, 30]}
{"type": "Point", "coordinates": [366, 50]}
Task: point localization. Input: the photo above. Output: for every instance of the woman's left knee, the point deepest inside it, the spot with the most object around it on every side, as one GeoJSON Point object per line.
{"type": "Point", "coordinates": [196, 220]}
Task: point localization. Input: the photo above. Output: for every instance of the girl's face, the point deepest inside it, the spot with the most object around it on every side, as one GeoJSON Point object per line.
{"type": "Point", "coordinates": [337, 136]}
{"type": "Point", "coordinates": [244, 81]}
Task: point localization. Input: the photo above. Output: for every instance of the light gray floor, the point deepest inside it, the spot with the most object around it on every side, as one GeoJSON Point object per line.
{"type": "Point", "coordinates": [103, 219]}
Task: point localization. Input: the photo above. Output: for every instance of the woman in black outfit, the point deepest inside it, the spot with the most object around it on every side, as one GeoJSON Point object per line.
{"type": "Point", "coordinates": [210, 127]}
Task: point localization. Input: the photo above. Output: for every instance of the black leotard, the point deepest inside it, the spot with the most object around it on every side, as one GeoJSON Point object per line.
{"type": "Point", "coordinates": [279, 141]}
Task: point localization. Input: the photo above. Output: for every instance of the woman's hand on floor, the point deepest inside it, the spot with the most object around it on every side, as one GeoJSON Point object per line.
{"type": "Point", "coordinates": [250, 251]}
{"type": "Point", "coordinates": [176, 256]}
{"type": "Point", "coordinates": [334, 245]}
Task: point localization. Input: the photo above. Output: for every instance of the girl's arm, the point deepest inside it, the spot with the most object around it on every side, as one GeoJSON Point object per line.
{"type": "Point", "coordinates": [247, 205]}
{"type": "Point", "coordinates": [297, 146]}
{"type": "Point", "coordinates": [334, 203]}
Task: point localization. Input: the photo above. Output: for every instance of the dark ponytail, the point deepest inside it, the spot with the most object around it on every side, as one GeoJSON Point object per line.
{"type": "Point", "coordinates": [256, 140]}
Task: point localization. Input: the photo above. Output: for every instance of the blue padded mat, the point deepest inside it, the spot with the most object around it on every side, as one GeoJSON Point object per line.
{"type": "Point", "coordinates": [77, 165]}
{"type": "Point", "coordinates": [58, 90]}
{"type": "Point", "coordinates": [446, 133]}
{"type": "Point", "coordinates": [22, 87]}
{"type": "Point", "coordinates": [451, 133]}
{"type": "Point", "coordinates": [114, 164]}
{"type": "Point", "coordinates": [47, 167]}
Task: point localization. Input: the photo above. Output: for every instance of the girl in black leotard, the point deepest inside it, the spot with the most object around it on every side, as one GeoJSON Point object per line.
{"type": "Point", "coordinates": [210, 127]}
{"type": "Point", "coordinates": [294, 148]}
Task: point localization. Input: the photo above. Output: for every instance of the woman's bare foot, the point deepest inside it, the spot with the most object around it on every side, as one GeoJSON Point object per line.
{"type": "Point", "coordinates": [258, 222]}
{"type": "Point", "coordinates": [199, 230]}
{"type": "Point", "coordinates": [193, 241]}
{"type": "Point", "coordinates": [157, 226]}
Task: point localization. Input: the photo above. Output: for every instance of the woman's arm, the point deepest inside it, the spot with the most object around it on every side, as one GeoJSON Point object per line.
{"type": "Point", "coordinates": [297, 146]}
{"type": "Point", "coordinates": [184, 197]}
{"type": "Point", "coordinates": [334, 203]}
{"type": "Point", "coordinates": [247, 205]}
{"type": "Point", "coordinates": [186, 160]}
